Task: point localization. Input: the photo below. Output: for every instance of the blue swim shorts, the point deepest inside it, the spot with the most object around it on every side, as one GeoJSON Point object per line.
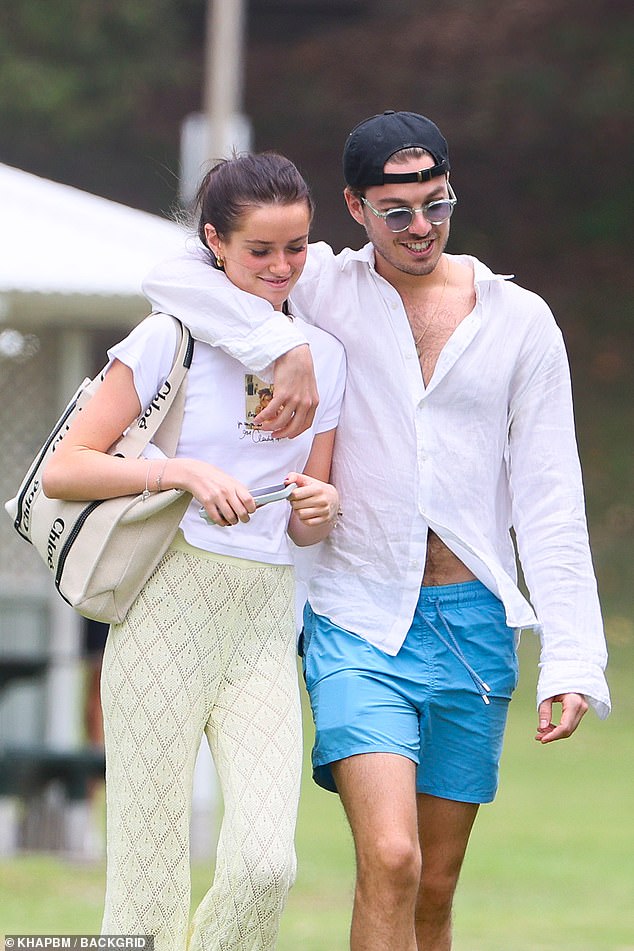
{"type": "Point", "coordinates": [427, 702]}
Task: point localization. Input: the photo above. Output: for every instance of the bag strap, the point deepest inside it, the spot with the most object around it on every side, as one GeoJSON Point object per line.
{"type": "Point", "coordinates": [163, 418]}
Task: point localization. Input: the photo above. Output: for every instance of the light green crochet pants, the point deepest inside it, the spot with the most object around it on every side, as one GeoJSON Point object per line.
{"type": "Point", "coordinates": [209, 645]}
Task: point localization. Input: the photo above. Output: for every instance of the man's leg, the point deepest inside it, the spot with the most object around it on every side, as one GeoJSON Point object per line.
{"type": "Point", "coordinates": [444, 829]}
{"type": "Point", "coordinates": [378, 791]}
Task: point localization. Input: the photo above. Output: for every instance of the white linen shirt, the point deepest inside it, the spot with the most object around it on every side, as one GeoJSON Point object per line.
{"type": "Point", "coordinates": [488, 444]}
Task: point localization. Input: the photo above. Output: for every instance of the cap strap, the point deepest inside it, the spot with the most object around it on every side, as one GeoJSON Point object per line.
{"type": "Point", "coordinates": [424, 175]}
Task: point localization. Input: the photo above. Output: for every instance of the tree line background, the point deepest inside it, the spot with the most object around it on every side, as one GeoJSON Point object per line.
{"type": "Point", "coordinates": [534, 96]}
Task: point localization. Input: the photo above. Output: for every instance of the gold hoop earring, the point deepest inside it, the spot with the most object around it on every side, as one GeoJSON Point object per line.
{"type": "Point", "coordinates": [220, 262]}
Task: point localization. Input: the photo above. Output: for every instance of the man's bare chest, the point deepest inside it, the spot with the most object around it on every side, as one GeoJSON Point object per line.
{"type": "Point", "coordinates": [432, 333]}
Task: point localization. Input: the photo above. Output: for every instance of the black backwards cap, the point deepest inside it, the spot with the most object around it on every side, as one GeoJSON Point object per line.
{"type": "Point", "coordinates": [373, 141]}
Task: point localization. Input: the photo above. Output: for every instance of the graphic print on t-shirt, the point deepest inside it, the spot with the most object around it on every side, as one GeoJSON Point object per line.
{"type": "Point", "coordinates": [257, 395]}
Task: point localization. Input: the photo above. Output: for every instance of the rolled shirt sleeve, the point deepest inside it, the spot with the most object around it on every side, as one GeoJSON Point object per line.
{"type": "Point", "coordinates": [216, 312]}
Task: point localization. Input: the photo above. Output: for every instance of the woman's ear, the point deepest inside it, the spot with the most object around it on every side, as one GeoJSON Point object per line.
{"type": "Point", "coordinates": [213, 239]}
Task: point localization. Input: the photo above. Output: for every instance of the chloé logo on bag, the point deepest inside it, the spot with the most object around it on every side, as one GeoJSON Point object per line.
{"type": "Point", "coordinates": [55, 534]}
{"type": "Point", "coordinates": [155, 404]}
{"type": "Point", "coordinates": [26, 507]}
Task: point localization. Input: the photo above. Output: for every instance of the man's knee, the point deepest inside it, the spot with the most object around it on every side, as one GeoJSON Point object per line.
{"type": "Point", "coordinates": [392, 861]}
{"type": "Point", "coordinates": [436, 893]}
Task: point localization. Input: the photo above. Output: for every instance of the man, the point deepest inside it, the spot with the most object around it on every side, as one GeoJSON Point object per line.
{"type": "Point", "coordinates": [456, 426]}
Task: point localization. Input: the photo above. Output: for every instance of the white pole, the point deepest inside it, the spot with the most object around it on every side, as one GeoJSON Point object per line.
{"type": "Point", "coordinates": [222, 95]}
{"type": "Point", "coordinates": [221, 126]}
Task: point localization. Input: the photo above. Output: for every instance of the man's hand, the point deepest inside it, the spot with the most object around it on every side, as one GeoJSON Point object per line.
{"type": "Point", "coordinates": [295, 395]}
{"type": "Point", "coordinates": [573, 708]}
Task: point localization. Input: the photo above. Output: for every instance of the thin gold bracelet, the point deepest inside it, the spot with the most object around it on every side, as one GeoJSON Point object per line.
{"type": "Point", "coordinates": [146, 491]}
{"type": "Point", "coordinates": [160, 476]}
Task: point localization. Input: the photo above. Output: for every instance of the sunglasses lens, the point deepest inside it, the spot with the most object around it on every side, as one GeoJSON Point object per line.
{"type": "Point", "coordinates": [438, 211]}
{"type": "Point", "coordinates": [399, 220]}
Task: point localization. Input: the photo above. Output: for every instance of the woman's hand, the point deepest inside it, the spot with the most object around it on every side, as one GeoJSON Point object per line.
{"type": "Point", "coordinates": [226, 500]}
{"type": "Point", "coordinates": [315, 506]}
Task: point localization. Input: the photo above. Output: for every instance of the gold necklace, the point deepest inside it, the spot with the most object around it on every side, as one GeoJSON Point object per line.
{"type": "Point", "coordinates": [418, 340]}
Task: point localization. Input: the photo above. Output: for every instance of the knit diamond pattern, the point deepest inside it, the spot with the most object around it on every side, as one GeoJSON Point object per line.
{"type": "Point", "coordinates": [207, 647]}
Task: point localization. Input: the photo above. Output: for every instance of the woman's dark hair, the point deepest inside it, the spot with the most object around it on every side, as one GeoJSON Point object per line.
{"type": "Point", "coordinates": [246, 181]}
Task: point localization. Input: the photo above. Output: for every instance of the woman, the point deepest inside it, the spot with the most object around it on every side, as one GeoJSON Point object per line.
{"type": "Point", "coordinates": [209, 644]}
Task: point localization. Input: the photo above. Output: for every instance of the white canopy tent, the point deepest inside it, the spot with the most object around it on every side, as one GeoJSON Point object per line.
{"type": "Point", "coordinates": [71, 256]}
{"type": "Point", "coordinates": [71, 266]}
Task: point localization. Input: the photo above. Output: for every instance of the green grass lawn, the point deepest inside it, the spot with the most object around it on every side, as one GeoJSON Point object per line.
{"type": "Point", "coordinates": [550, 865]}
{"type": "Point", "coordinates": [551, 862]}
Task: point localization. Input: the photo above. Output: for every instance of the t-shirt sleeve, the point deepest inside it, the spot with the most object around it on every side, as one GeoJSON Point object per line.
{"type": "Point", "coordinates": [332, 384]}
{"type": "Point", "coordinates": [149, 352]}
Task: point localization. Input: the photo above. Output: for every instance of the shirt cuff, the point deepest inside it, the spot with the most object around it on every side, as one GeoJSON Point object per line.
{"type": "Point", "coordinates": [557, 677]}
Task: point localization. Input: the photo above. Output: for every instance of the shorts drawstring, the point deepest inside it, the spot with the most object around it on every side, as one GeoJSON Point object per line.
{"type": "Point", "coordinates": [452, 645]}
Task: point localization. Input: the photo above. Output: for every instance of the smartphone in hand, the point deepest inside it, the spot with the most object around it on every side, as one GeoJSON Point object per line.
{"type": "Point", "coordinates": [272, 493]}
{"type": "Point", "coordinates": [262, 496]}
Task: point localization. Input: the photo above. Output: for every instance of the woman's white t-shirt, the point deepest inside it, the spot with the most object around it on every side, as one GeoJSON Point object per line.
{"type": "Point", "coordinates": [222, 399]}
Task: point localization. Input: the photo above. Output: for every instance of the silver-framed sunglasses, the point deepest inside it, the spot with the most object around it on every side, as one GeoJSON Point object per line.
{"type": "Point", "coordinates": [400, 219]}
